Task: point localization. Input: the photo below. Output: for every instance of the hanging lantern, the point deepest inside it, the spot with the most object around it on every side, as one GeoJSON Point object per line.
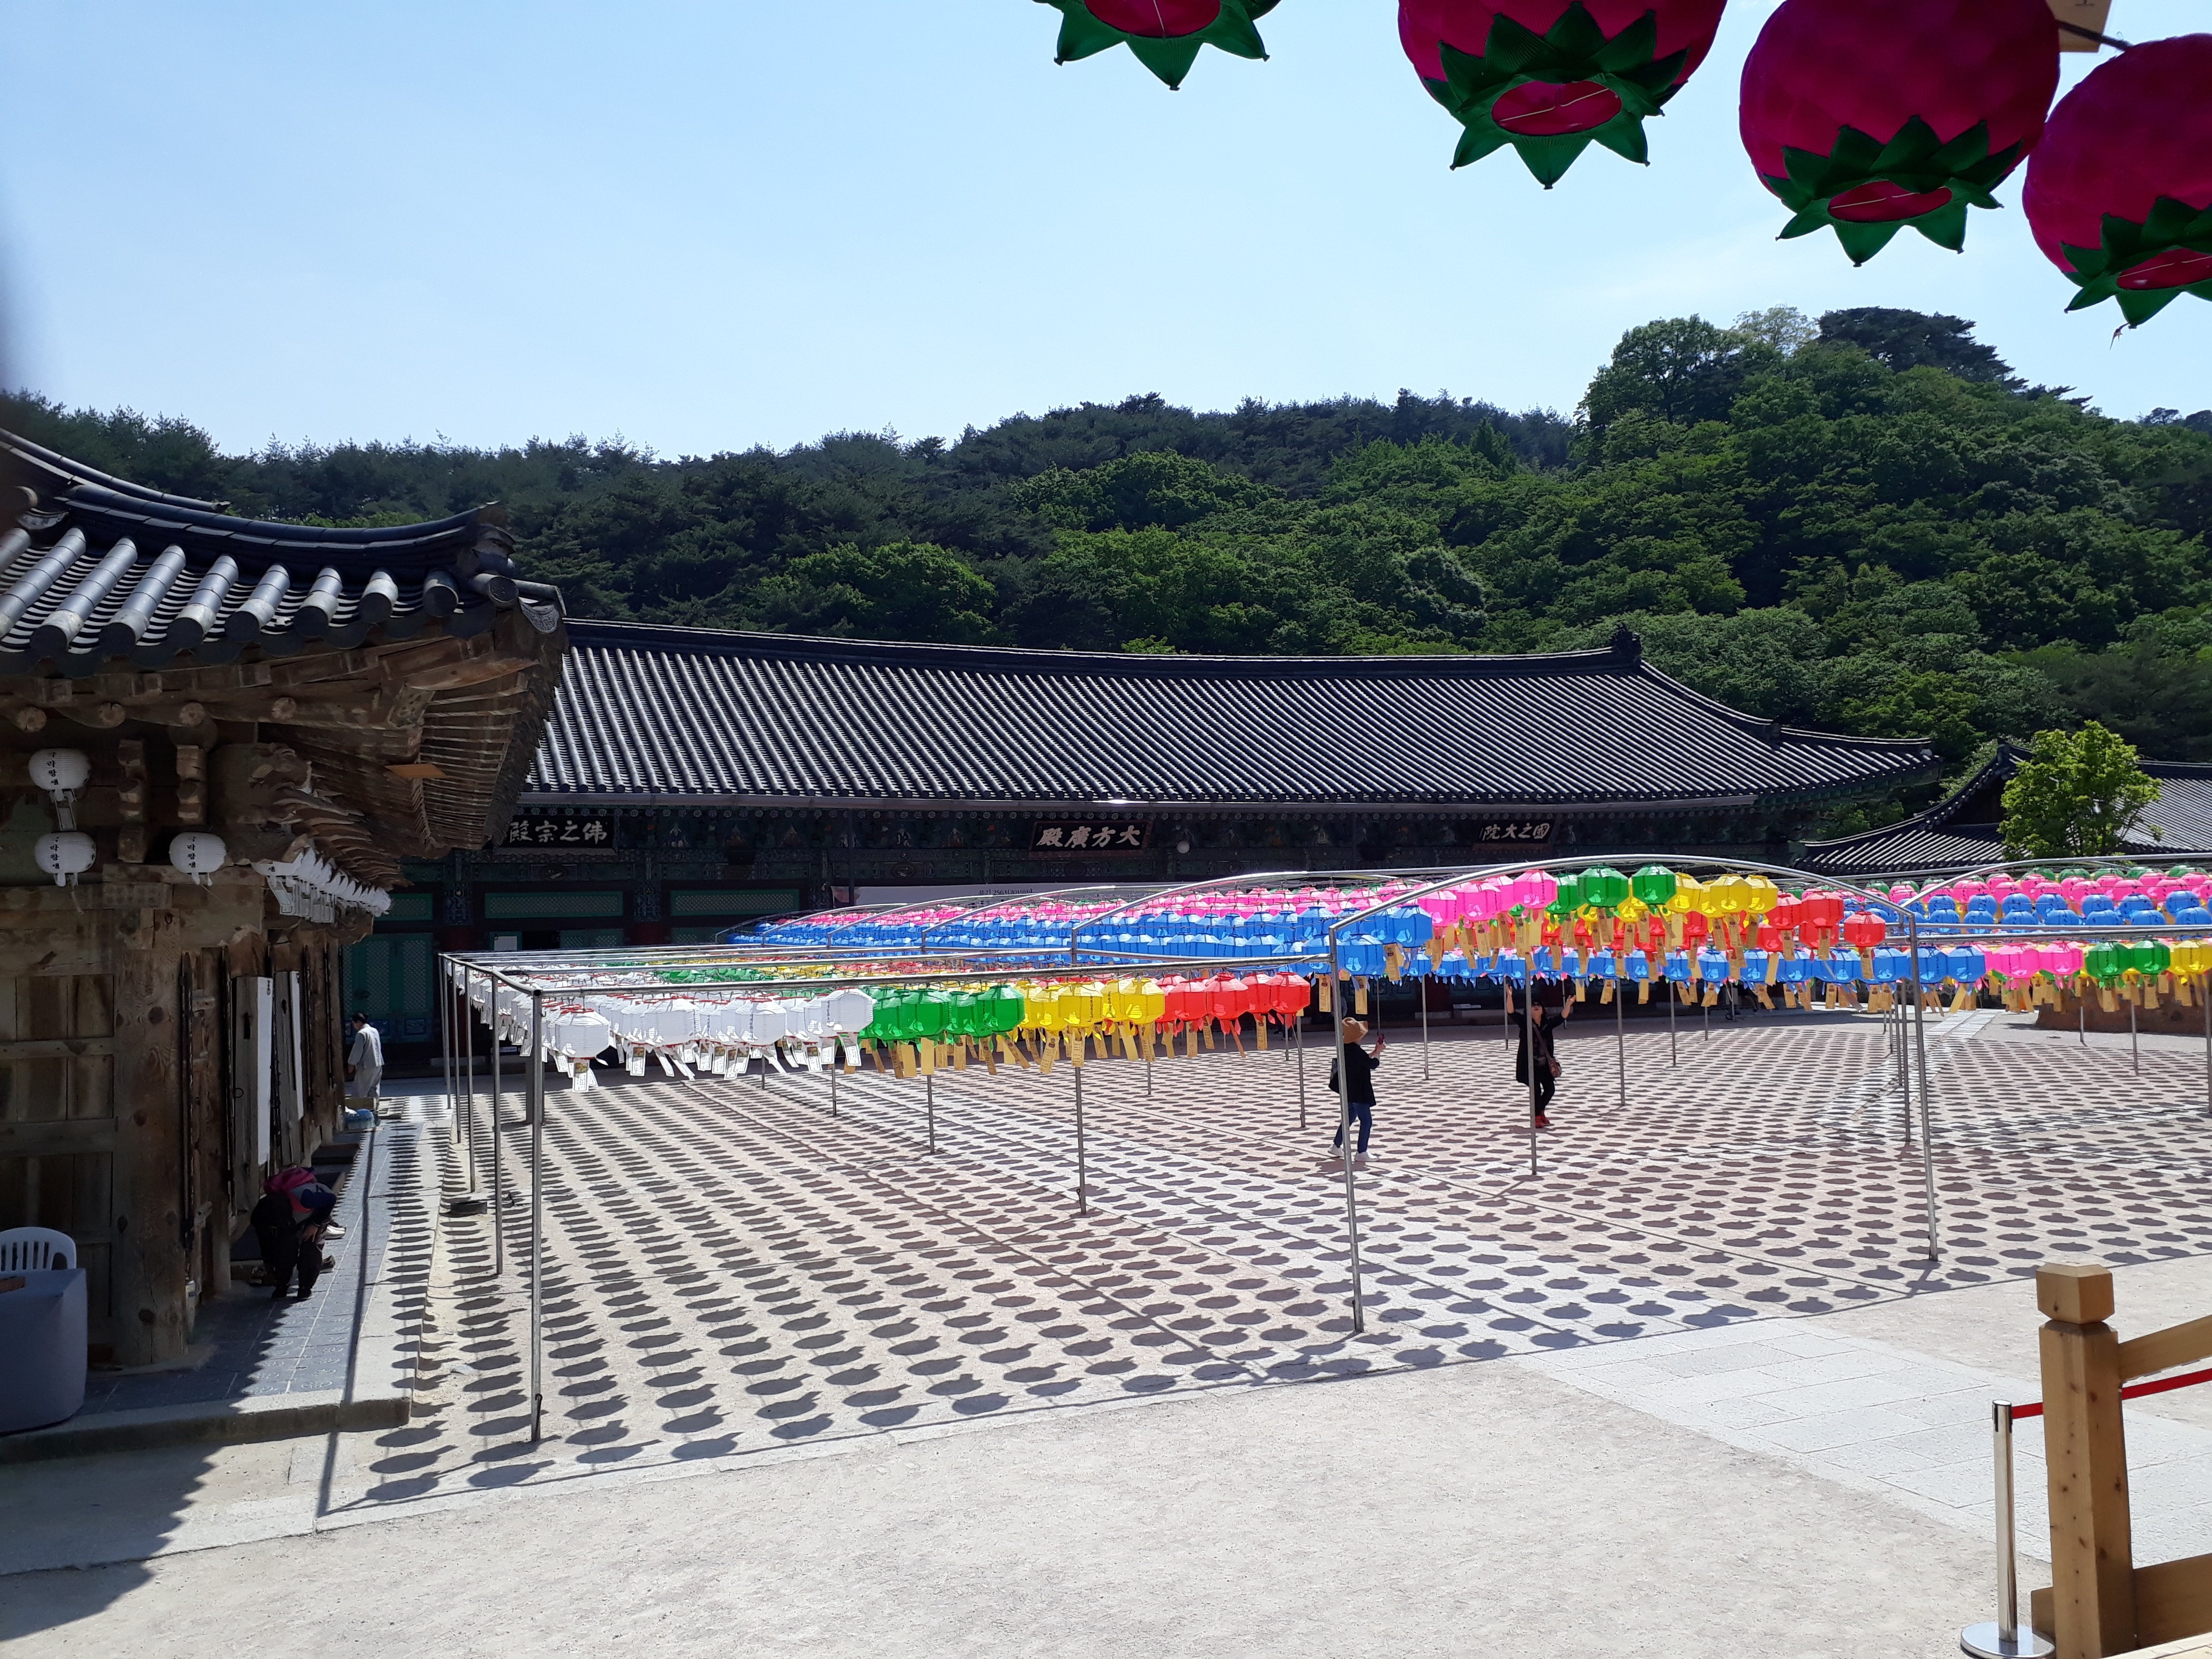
{"type": "Point", "coordinates": [1164, 34]}
{"type": "Point", "coordinates": [1550, 78]}
{"type": "Point", "coordinates": [196, 854]}
{"type": "Point", "coordinates": [2119, 193]}
{"type": "Point", "coordinates": [65, 856]}
{"type": "Point", "coordinates": [1654, 885]}
{"type": "Point", "coordinates": [1870, 115]}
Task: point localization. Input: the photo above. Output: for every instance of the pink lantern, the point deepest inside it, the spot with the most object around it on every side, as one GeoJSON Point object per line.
{"type": "Point", "coordinates": [2122, 201]}
{"type": "Point", "coordinates": [1870, 115]}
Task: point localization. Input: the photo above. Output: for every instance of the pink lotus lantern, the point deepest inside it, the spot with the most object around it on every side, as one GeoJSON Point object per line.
{"type": "Point", "coordinates": [2122, 203]}
{"type": "Point", "coordinates": [1870, 115]}
{"type": "Point", "coordinates": [1551, 77]}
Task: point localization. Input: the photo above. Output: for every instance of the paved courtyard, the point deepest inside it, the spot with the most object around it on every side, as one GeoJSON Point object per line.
{"type": "Point", "coordinates": [734, 1269]}
{"type": "Point", "coordinates": [745, 1280]}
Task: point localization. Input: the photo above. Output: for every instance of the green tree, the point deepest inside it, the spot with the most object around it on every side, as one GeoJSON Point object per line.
{"type": "Point", "coordinates": [1914, 339]}
{"type": "Point", "coordinates": [1683, 369]}
{"type": "Point", "coordinates": [906, 591]}
{"type": "Point", "coordinates": [2075, 796]}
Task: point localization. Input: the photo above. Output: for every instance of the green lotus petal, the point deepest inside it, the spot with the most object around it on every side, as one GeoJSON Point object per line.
{"type": "Point", "coordinates": [1624, 135]}
{"type": "Point", "coordinates": [2168, 220]}
{"type": "Point", "coordinates": [2139, 304]}
{"type": "Point", "coordinates": [1806, 221]}
{"type": "Point", "coordinates": [1468, 79]}
{"type": "Point", "coordinates": [1808, 176]}
{"type": "Point", "coordinates": [1081, 35]}
{"type": "Point", "coordinates": [1232, 31]}
{"type": "Point", "coordinates": [1913, 145]}
{"type": "Point", "coordinates": [1863, 241]}
{"type": "Point", "coordinates": [1514, 47]}
{"type": "Point", "coordinates": [1259, 8]}
{"type": "Point", "coordinates": [1481, 139]}
{"type": "Point", "coordinates": [1168, 59]}
{"type": "Point", "coordinates": [2093, 294]}
{"type": "Point", "coordinates": [2087, 262]}
{"type": "Point", "coordinates": [1856, 155]}
{"type": "Point", "coordinates": [1945, 226]}
{"type": "Point", "coordinates": [1576, 36]}
{"type": "Point", "coordinates": [1968, 150]}
{"type": "Point", "coordinates": [1632, 49]}
{"type": "Point", "coordinates": [1636, 99]}
{"type": "Point", "coordinates": [1550, 156]}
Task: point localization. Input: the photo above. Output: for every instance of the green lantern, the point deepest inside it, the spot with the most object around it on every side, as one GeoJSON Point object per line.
{"type": "Point", "coordinates": [2149, 957]}
{"type": "Point", "coordinates": [1604, 888]}
{"type": "Point", "coordinates": [1569, 899]}
{"type": "Point", "coordinates": [1655, 883]}
{"type": "Point", "coordinates": [2104, 962]}
{"type": "Point", "coordinates": [1165, 35]}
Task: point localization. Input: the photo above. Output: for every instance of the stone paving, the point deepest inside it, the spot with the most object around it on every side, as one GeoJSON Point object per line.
{"type": "Point", "coordinates": [735, 1270]}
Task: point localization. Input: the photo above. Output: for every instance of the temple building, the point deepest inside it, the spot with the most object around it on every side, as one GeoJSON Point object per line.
{"type": "Point", "coordinates": [1964, 828]}
{"type": "Point", "coordinates": [221, 742]}
{"type": "Point", "coordinates": [692, 779]}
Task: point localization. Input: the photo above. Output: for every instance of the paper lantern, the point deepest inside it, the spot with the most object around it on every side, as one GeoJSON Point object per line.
{"type": "Point", "coordinates": [2119, 194]}
{"type": "Point", "coordinates": [1654, 885]}
{"type": "Point", "coordinates": [1551, 77]}
{"type": "Point", "coordinates": [1165, 35]}
{"type": "Point", "coordinates": [1870, 115]}
{"type": "Point", "coordinates": [65, 856]}
{"type": "Point", "coordinates": [198, 855]}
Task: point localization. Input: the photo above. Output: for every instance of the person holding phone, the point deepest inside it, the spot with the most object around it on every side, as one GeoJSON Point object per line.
{"type": "Point", "coordinates": [1357, 1067]}
{"type": "Point", "coordinates": [1540, 1032]}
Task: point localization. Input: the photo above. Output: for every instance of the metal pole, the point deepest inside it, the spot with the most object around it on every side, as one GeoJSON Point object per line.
{"type": "Point", "coordinates": [1082, 1153]}
{"type": "Point", "coordinates": [534, 1092]}
{"type": "Point", "coordinates": [1343, 1075]}
{"type": "Point", "coordinates": [2204, 996]}
{"type": "Point", "coordinates": [2003, 1639]}
{"type": "Point", "coordinates": [1927, 1124]}
{"type": "Point", "coordinates": [1298, 1043]}
{"type": "Point", "coordinates": [2135, 1041]}
{"type": "Point", "coordinates": [1899, 1046]}
{"type": "Point", "coordinates": [929, 1103]}
{"type": "Point", "coordinates": [1620, 1029]}
{"type": "Point", "coordinates": [2082, 1012]}
{"type": "Point", "coordinates": [1673, 1051]}
{"type": "Point", "coordinates": [837, 1062]}
{"type": "Point", "coordinates": [1528, 1048]}
{"type": "Point", "coordinates": [469, 1068]}
{"type": "Point", "coordinates": [446, 1041]}
{"type": "Point", "coordinates": [498, 1148]}
{"type": "Point", "coordinates": [1423, 986]}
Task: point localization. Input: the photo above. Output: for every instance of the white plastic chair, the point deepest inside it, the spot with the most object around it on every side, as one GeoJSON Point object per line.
{"type": "Point", "coordinates": [36, 1249]}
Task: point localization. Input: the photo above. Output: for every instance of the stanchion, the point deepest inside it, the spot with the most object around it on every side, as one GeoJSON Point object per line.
{"type": "Point", "coordinates": [929, 1104]}
{"type": "Point", "coordinates": [1621, 1031]}
{"type": "Point", "coordinates": [1298, 1043]}
{"type": "Point", "coordinates": [498, 1149]}
{"type": "Point", "coordinates": [2004, 1639]}
{"type": "Point", "coordinates": [2135, 1042]}
{"type": "Point", "coordinates": [1342, 1073]}
{"type": "Point", "coordinates": [1674, 998]}
{"type": "Point", "coordinates": [2204, 996]}
{"type": "Point", "coordinates": [1421, 986]}
{"type": "Point", "coordinates": [1082, 1155]}
{"type": "Point", "coordinates": [1927, 1122]}
{"type": "Point", "coordinates": [1528, 1056]}
{"type": "Point", "coordinates": [534, 1092]}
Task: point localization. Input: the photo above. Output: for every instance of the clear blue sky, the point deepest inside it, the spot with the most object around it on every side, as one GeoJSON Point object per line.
{"type": "Point", "coordinates": [709, 226]}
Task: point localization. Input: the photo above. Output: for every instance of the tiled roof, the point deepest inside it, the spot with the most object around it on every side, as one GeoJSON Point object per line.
{"type": "Point", "coordinates": [1962, 828]}
{"type": "Point", "coordinates": [96, 570]}
{"type": "Point", "coordinates": [685, 715]}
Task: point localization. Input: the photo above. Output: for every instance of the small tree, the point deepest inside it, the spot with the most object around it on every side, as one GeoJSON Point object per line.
{"type": "Point", "coordinates": [2076, 795]}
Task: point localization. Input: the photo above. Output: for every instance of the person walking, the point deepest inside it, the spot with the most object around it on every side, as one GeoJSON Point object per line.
{"type": "Point", "coordinates": [1540, 1031]}
{"type": "Point", "coordinates": [365, 1061]}
{"type": "Point", "coordinates": [1356, 1066]}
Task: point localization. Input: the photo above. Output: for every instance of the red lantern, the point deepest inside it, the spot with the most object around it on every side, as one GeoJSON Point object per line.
{"type": "Point", "coordinates": [1783, 916]}
{"type": "Point", "coordinates": [1864, 931]}
{"type": "Point", "coordinates": [1870, 115]}
{"type": "Point", "coordinates": [1164, 34]}
{"type": "Point", "coordinates": [2119, 194]}
{"type": "Point", "coordinates": [1818, 916]}
{"type": "Point", "coordinates": [1550, 77]}
{"type": "Point", "coordinates": [1695, 928]}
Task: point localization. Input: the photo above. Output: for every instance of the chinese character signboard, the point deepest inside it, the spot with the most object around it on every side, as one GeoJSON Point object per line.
{"type": "Point", "coordinates": [525, 829]}
{"type": "Point", "coordinates": [1057, 837]}
{"type": "Point", "coordinates": [1515, 829]}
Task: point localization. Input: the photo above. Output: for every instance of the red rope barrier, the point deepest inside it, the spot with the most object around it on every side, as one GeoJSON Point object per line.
{"type": "Point", "coordinates": [2133, 1391]}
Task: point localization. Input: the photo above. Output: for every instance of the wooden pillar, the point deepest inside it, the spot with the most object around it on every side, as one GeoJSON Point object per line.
{"type": "Point", "coordinates": [150, 1264]}
{"type": "Point", "coordinates": [2092, 1551]}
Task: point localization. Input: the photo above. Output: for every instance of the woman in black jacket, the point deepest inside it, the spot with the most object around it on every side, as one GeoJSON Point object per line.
{"type": "Point", "coordinates": [1358, 1064]}
{"type": "Point", "coordinates": [1540, 1028]}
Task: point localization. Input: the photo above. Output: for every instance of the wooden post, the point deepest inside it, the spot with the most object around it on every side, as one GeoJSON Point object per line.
{"type": "Point", "coordinates": [150, 1259]}
{"type": "Point", "coordinates": [2092, 1552]}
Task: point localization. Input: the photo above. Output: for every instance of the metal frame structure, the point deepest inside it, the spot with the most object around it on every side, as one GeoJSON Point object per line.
{"type": "Point", "coordinates": [538, 974]}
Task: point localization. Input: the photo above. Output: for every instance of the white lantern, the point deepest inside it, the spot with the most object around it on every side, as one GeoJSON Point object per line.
{"type": "Point", "coordinates": [61, 773]}
{"type": "Point", "coordinates": [196, 854]}
{"type": "Point", "coordinates": [66, 856]}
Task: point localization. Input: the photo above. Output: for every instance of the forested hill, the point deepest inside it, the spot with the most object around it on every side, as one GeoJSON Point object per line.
{"type": "Point", "coordinates": [1870, 525]}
